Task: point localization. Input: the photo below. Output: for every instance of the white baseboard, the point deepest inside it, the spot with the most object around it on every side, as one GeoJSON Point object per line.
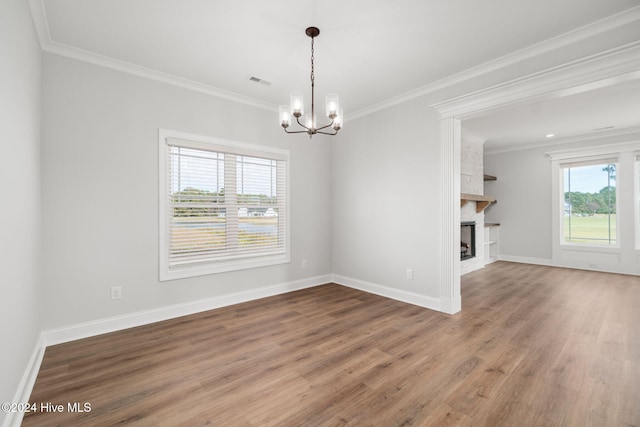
{"type": "Point", "coordinates": [396, 294]}
{"type": "Point", "coordinates": [111, 324]}
{"type": "Point", "coordinates": [116, 323]}
{"type": "Point", "coordinates": [528, 260]}
{"type": "Point", "coordinates": [102, 326]}
{"type": "Point", "coordinates": [23, 393]}
{"type": "Point", "coordinates": [633, 270]}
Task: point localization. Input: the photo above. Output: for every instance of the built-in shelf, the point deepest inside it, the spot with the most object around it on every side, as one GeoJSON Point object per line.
{"type": "Point", "coordinates": [482, 202]}
{"type": "Point", "coordinates": [491, 249]}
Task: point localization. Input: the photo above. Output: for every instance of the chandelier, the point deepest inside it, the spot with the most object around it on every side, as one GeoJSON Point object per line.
{"type": "Point", "coordinates": [296, 109]}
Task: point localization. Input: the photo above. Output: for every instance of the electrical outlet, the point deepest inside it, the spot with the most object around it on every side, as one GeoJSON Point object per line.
{"type": "Point", "coordinates": [304, 263]}
{"type": "Point", "coordinates": [409, 274]}
{"type": "Point", "coordinates": [116, 292]}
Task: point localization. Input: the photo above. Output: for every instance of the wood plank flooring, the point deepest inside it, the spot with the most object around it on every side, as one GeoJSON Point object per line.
{"type": "Point", "coordinates": [533, 346]}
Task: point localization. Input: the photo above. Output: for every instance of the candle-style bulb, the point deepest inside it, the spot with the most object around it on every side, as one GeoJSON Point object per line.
{"type": "Point", "coordinates": [284, 116]}
{"type": "Point", "coordinates": [333, 105]}
{"type": "Point", "coordinates": [297, 104]}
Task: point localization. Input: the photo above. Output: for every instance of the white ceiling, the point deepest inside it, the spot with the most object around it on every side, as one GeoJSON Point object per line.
{"type": "Point", "coordinates": [369, 51]}
{"type": "Point", "coordinates": [601, 110]}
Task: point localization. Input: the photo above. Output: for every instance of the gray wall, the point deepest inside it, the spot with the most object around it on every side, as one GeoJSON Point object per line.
{"type": "Point", "coordinates": [386, 213]}
{"type": "Point", "coordinates": [364, 204]}
{"type": "Point", "coordinates": [20, 214]}
{"type": "Point", "coordinates": [524, 193]}
{"type": "Point", "coordinates": [100, 191]}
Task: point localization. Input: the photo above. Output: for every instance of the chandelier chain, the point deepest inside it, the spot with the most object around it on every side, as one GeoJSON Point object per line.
{"type": "Point", "coordinates": [312, 57]}
{"type": "Point", "coordinates": [313, 95]}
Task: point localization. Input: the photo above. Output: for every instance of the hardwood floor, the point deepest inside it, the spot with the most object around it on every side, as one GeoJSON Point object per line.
{"type": "Point", "coordinates": [533, 346]}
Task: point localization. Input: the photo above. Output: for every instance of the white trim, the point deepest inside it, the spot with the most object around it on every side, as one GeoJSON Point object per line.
{"type": "Point", "coordinates": [450, 161]}
{"type": "Point", "coordinates": [527, 260]}
{"type": "Point", "coordinates": [151, 74]}
{"type": "Point", "coordinates": [163, 134]}
{"type": "Point", "coordinates": [89, 329]}
{"type": "Point", "coordinates": [116, 323]}
{"type": "Point", "coordinates": [578, 154]}
{"type": "Point", "coordinates": [579, 34]}
{"type": "Point", "coordinates": [223, 145]}
{"type": "Point", "coordinates": [567, 140]}
{"type": "Point", "coordinates": [255, 261]}
{"type": "Point", "coordinates": [41, 24]}
{"type": "Point", "coordinates": [613, 66]}
{"type": "Point", "coordinates": [387, 292]}
{"type": "Point", "coordinates": [573, 264]}
{"type": "Point", "coordinates": [585, 32]}
{"type": "Point", "coordinates": [23, 393]}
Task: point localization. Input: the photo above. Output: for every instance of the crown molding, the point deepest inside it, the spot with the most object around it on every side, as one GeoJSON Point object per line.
{"type": "Point", "coordinates": [633, 132]}
{"type": "Point", "coordinates": [599, 70]}
{"type": "Point", "coordinates": [46, 44]}
{"type": "Point", "coordinates": [39, 16]}
{"type": "Point", "coordinates": [579, 34]}
{"type": "Point", "coordinates": [127, 67]}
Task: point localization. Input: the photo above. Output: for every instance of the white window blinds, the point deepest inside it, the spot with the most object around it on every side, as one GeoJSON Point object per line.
{"type": "Point", "coordinates": [226, 207]}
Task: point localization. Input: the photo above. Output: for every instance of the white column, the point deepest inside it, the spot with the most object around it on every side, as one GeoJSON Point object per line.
{"type": "Point", "coordinates": [450, 137]}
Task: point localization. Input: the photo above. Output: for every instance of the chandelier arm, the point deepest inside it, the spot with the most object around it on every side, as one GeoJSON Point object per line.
{"type": "Point", "coordinates": [298, 120]}
{"type": "Point", "coordinates": [327, 133]}
{"type": "Point", "coordinates": [295, 131]}
{"type": "Point", "coordinates": [324, 127]}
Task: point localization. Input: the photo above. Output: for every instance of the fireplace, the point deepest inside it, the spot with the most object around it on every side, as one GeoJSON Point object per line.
{"type": "Point", "coordinates": [467, 240]}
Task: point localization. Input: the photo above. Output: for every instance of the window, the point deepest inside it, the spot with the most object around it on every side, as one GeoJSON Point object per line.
{"type": "Point", "coordinates": [590, 202]}
{"type": "Point", "coordinates": [223, 206]}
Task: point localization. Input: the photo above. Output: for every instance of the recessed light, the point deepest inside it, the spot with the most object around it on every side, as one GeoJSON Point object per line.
{"type": "Point", "coordinates": [549, 135]}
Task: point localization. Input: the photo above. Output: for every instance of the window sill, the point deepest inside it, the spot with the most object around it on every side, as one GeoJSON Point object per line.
{"type": "Point", "coordinates": [222, 267]}
{"type": "Point", "coordinates": [579, 247]}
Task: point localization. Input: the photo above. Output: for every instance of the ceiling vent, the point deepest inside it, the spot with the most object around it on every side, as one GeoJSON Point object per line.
{"type": "Point", "coordinates": [259, 80]}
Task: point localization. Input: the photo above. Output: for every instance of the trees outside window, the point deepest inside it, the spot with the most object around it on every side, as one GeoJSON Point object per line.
{"type": "Point", "coordinates": [590, 203]}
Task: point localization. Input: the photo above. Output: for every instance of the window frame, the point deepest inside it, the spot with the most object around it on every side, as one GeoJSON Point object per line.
{"type": "Point", "coordinates": [580, 162]}
{"type": "Point", "coordinates": [281, 255]}
{"type": "Point", "coordinates": [626, 257]}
